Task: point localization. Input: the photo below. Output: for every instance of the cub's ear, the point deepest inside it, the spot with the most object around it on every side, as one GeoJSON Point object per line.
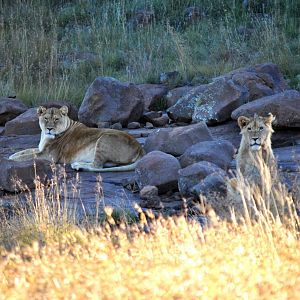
{"type": "Point", "coordinates": [64, 110]}
{"type": "Point", "coordinates": [41, 110]}
{"type": "Point", "coordinates": [269, 119]}
{"type": "Point", "coordinates": [243, 121]}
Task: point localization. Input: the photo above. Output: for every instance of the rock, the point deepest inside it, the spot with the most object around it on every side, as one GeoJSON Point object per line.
{"type": "Point", "coordinates": [10, 108]}
{"type": "Point", "coordinates": [193, 174]}
{"type": "Point", "coordinates": [140, 18]}
{"type": "Point", "coordinates": [2, 130]}
{"type": "Point", "coordinates": [161, 121]}
{"type": "Point", "coordinates": [109, 100]}
{"type": "Point", "coordinates": [212, 185]}
{"type": "Point", "coordinates": [183, 109]}
{"type": "Point", "coordinates": [26, 123]}
{"type": "Point", "coordinates": [14, 174]}
{"type": "Point", "coordinates": [217, 102]}
{"type": "Point", "coordinates": [218, 152]}
{"type": "Point", "coordinates": [150, 198]}
{"type": "Point", "coordinates": [72, 109]}
{"type": "Point", "coordinates": [149, 125]}
{"type": "Point", "coordinates": [285, 106]}
{"type": "Point", "coordinates": [104, 125]}
{"type": "Point", "coordinates": [171, 79]}
{"type": "Point", "coordinates": [134, 125]}
{"type": "Point", "coordinates": [176, 140]}
{"type": "Point", "coordinates": [150, 115]}
{"type": "Point", "coordinates": [153, 94]}
{"type": "Point", "coordinates": [175, 94]}
{"type": "Point", "coordinates": [116, 126]}
{"type": "Point", "coordinates": [159, 169]}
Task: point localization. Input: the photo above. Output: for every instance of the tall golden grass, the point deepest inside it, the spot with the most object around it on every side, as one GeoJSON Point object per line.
{"type": "Point", "coordinates": [51, 257]}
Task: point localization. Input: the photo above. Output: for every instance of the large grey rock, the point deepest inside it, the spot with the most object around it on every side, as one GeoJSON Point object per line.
{"type": "Point", "coordinates": [213, 184]}
{"type": "Point", "coordinates": [175, 94]}
{"type": "Point", "coordinates": [217, 102]}
{"type": "Point", "coordinates": [176, 140]}
{"type": "Point", "coordinates": [183, 109]}
{"type": "Point", "coordinates": [26, 123]}
{"type": "Point", "coordinates": [193, 174]}
{"type": "Point", "coordinates": [109, 100]}
{"type": "Point", "coordinates": [10, 108]}
{"type": "Point", "coordinates": [159, 169]}
{"type": "Point", "coordinates": [218, 152]}
{"type": "Point", "coordinates": [153, 95]}
{"type": "Point", "coordinates": [15, 175]}
{"type": "Point", "coordinates": [285, 106]}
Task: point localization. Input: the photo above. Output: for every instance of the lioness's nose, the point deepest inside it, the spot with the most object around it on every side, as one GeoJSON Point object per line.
{"type": "Point", "coordinates": [50, 128]}
{"type": "Point", "coordinates": [255, 139]}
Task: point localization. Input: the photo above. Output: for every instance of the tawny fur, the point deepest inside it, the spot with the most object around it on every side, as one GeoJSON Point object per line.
{"type": "Point", "coordinates": [66, 141]}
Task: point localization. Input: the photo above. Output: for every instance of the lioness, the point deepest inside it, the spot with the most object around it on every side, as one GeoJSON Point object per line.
{"type": "Point", "coordinates": [255, 159]}
{"type": "Point", "coordinates": [66, 141]}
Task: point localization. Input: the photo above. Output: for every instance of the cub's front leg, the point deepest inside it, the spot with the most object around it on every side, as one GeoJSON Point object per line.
{"type": "Point", "coordinates": [26, 154]}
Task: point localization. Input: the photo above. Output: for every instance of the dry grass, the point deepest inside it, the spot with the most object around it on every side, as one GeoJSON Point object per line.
{"type": "Point", "coordinates": [53, 258]}
{"type": "Point", "coordinates": [176, 261]}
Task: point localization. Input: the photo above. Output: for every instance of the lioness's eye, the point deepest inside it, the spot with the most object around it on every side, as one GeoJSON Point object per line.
{"type": "Point", "coordinates": [261, 128]}
{"type": "Point", "coordinates": [46, 119]}
{"type": "Point", "coordinates": [56, 119]}
{"type": "Point", "coordinates": [249, 128]}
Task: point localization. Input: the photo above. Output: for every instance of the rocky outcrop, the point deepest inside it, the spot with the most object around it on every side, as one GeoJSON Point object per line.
{"type": "Point", "coordinates": [17, 176]}
{"type": "Point", "coordinates": [176, 140]}
{"type": "Point", "coordinates": [218, 152]}
{"type": "Point", "coordinates": [149, 197]}
{"type": "Point", "coordinates": [175, 94]}
{"type": "Point", "coordinates": [193, 174]}
{"type": "Point", "coordinates": [26, 123]}
{"type": "Point", "coordinates": [285, 106]}
{"type": "Point", "coordinates": [183, 109]}
{"type": "Point", "coordinates": [10, 108]}
{"type": "Point", "coordinates": [217, 102]}
{"type": "Point", "coordinates": [158, 169]}
{"type": "Point", "coordinates": [109, 100]}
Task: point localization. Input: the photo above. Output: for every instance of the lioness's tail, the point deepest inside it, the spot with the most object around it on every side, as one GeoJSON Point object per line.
{"type": "Point", "coordinates": [89, 167]}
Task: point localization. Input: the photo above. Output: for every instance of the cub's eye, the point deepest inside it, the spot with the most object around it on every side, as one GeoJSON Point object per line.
{"type": "Point", "coordinates": [46, 119]}
{"type": "Point", "coordinates": [56, 120]}
{"type": "Point", "coordinates": [249, 128]}
{"type": "Point", "coordinates": [261, 128]}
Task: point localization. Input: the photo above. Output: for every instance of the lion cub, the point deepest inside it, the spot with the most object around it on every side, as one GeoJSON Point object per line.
{"type": "Point", "coordinates": [66, 141]}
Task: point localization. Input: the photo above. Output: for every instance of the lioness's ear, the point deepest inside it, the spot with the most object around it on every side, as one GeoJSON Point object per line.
{"type": "Point", "coordinates": [269, 119]}
{"type": "Point", "coordinates": [41, 110]}
{"type": "Point", "coordinates": [64, 110]}
{"type": "Point", "coordinates": [243, 121]}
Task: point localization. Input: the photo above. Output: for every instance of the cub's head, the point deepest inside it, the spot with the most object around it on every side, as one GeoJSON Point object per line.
{"type": "Point", "coordinates": [53, 121]}
{"type": "Point", "coordinates": [256, 131]}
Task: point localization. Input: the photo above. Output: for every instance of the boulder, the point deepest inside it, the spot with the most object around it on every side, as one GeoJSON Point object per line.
{"type": "Point", "coordinates": [26, 123]}
{"type": "Point", "coordinates": [159, 169]}
{"type": "Point", "coordinates": [193, 174]}
{"type": "Point", "coordinates": [116, 126]}
{"type": "Point", "coordinates": [217, 102]}
{"type": "Point", "coordinates": [213, 184]}
{"type": "Point", "coordinates": [285, 106]}
{"type": "Point", "coordinates": [134, 125]}
{"type": "Point", "coordinates": [219, 152]}
{"type": "Point", "coordinates": [175, 94]}
{"type": "Point", "coordinates": [10, 108]}
{"type": "Point", "coordinates": [109, 100]}
{"type": "Point", "coordinates": [176, 140]}
{"type": "Point", "coordinates": [15, 175]}
{"type": "Point", "coordinates": [153, 94]}
{"type": "Point", "coordinates": [150, 115]}
{"type": "Point", "coordinates": [149, 197]}
{"type": "Point", "coordinates": [161, 121]}
{"type": "Point", "coordinates": [183, 109]}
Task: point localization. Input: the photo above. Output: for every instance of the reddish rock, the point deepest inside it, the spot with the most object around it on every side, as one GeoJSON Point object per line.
{"type": "Point", "coordinates": [109, 100]}
{"type": "Point", "coordinates": [176, 140]}
{"type": "Point", "coordinates": [285, 106]}
{"type": "Point", "coordinates": [158, 169]}
{"type": "Point", "coordinates": [26, 123]}
{"type": "Point", "coordinates": [10, 108]}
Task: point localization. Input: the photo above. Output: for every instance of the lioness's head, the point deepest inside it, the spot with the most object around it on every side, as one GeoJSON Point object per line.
{"type": "Point", "coordinates": [53, 121]}
{"type": "Point", "coordinates": [256, 131]}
